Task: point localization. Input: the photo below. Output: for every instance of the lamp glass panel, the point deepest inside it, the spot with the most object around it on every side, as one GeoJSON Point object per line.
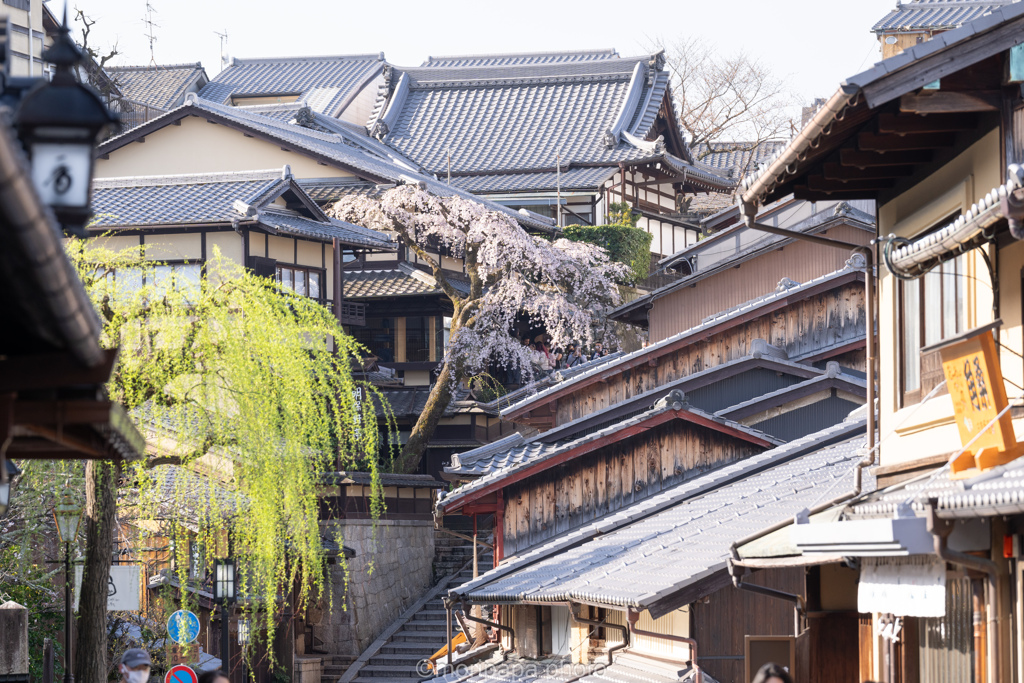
{"type": "Point", "coordinates": [60, 172]}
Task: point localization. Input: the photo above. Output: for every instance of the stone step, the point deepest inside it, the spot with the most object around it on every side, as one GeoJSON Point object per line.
{"type": "Point", "coordinates": [426, 624]}
{"type": "Point", "coordinates": [429, 614]}
{"type": "Point", "coordinates": [392, 659]}
{"type": "Point", "coordinates": [421, 636]}
{"type": "Point", "coordinates": [410, 647]}
{"type": "Point", "coordinates": [376, 671]}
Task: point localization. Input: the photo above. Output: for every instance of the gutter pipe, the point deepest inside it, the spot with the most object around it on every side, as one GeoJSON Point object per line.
{"type": "Point", "coordinates": [633, 617]}
{"type": "Point", "coordinates": [574, 613]}
{"type": "Point", "coordinates": [479, 620]}
{"type": "Point", "coordinates": [940, 530]}
{"type": "Point", "coordinates": [799, 606]}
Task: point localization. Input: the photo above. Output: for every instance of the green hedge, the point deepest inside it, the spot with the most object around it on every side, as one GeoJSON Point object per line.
{"type": "Point", "coordinates": [624, 242]}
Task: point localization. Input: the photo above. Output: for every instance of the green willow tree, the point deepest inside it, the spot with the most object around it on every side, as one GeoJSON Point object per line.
{"type": "Point", "coordinates": [231, 377]}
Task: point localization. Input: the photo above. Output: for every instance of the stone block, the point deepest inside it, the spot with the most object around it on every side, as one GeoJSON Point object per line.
{"type": "Point", "coordinates": [13, 640]}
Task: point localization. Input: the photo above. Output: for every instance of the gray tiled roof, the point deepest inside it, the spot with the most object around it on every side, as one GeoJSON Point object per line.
{"type": "Point", "coordinates": [589, 178]}
{"type": "Point", "coordinates": [325, 83]}
{"type": "Point", "coordinates": [158, 86]}
{"type": "Point", "coordinates": [693, 332]}
{"type": "Point", "coordinates": [520, 58]}
{"type": "Point", "coordinates": [367, 157]}
{"type": "Point", "coordinates": [501, 465]}
{"type": "Point", "coordinates": [628, 667]}
{"type": "Point", "coordinates": [142, 201]}
{"type": "Point", "coordinates": [735, 159]}
{"type": "Point", "coordinates": [638, 555]}
{"type": "Point", "coordinates": [935, 14]}
{"type": "Point", "coordinates": [364, 284]}
{"type": "Point", "coordinates": [408, 402]}
{"type": "Point", "coordinates": [999, 491]}
{"type": "Point", "coordinates": [518, 117]}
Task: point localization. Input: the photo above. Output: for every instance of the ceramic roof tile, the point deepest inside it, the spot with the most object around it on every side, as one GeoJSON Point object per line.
{"type": "Point", "coordinates": [158, 86]}
{"type": "Point", "coordinates": [647, 551]}
{"type": "Point", "coordinates": [518, 117]}
{"type": "Point", "coordinates": [211, 198]}
{"type": "Point", "coordinates": [588, 178]}
{"type": "Point", "coordinates": [735, 159]}
{"type": "Point", "coordinates": [354, 150]}
{"type": "Point", "coordinates": [325, 83]}
{"type": "Point", "coordinates": [935, 14]}
{"type": "Point", "coordinates": [364, 284]}
{"type": "Point", "coordinates": [519, 59]}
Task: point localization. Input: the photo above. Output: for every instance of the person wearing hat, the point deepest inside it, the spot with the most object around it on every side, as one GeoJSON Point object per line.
{"type": "Point", "coordinates": [135, 665]}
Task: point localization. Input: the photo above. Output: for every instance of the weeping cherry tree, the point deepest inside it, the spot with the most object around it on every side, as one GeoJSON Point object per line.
{"type": "Point", "coordinates": [560, 286]}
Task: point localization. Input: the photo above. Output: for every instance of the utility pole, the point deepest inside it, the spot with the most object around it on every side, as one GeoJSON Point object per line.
{"type": "Point", "coordinates": [148, 21]}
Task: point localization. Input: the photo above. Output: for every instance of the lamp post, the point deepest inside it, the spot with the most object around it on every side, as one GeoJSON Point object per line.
{"type": "Point", "coordinates": [59, 123]}
{"type": "Point", "coordinates": [67, 514]}
{"type": "Point", "coordinates": [224, 593]}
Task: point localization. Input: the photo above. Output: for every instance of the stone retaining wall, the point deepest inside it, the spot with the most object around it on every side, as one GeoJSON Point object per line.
{"type": "Point", "coordinates": [391, 570]}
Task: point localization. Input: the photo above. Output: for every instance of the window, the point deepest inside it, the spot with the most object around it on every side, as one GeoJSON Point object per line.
{"type": "Point", "coordinates": [196, 560]}
{"type": "Point", "coordinates": [378, 335]}
{"type": "Point", "coordinates": [442, 333]}
{"type": "Point", "coordinates": [417, 339]}
{"type": "Point", "coordinates": [302, 281]}
{"type": "Point", "coordinates": [932, 308]}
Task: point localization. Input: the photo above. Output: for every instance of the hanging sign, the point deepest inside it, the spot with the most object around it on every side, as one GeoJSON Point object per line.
{"type": "Point", "coordinates": [181, 674]}
{"type": "Point", "coordinates": [122, 588]}
{"type": "Point", "coordinates": [183, 627]}
{"type": "Point", "coordinates": [975, 383]}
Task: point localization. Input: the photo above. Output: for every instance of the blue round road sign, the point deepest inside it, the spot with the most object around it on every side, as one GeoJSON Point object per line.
{"type": "Point", "coordinates": [182, 628]}
{"type": "Point", "coordinates": [181, 674]}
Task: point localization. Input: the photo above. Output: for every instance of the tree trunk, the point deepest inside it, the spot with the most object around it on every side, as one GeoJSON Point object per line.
{"type": "Point", "coordinates": [438, 400]}
{"type": "Point", "coordinates": [100, 517]}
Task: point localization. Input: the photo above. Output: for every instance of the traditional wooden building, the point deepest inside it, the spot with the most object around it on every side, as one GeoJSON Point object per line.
{"type": "Point", "coordinates": [559, 134]}
{"type": "Point", "coordinates": [145, 92]}
{"type": "Point", "coordinates": [914, 22]}
{"type": "Point", "coordinates": [619, 513]}
{"type": "Point", "coordinates": [934, 137]}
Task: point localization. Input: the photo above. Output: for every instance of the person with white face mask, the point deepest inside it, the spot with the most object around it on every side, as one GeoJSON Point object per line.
{"type": "Point", "coordinates": [135, 666]}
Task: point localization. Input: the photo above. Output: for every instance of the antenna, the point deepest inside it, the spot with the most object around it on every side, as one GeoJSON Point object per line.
{"type": "Point", "coordinates": [223, 44]}
{"type": "Point", "coordinates": [150, 24]}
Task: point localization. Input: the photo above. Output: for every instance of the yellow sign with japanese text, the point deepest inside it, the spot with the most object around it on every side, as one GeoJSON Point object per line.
{"type": "Point", "coordinates": [975, 384]}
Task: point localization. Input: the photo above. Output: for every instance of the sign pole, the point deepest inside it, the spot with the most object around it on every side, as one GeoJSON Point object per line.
{"type": "Point", "coordinates": [225, 640]}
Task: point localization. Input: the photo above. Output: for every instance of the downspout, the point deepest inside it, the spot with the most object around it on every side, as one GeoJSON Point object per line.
{"type": "Point", "coordinates": [799, 606]}
{"type": "Point", "coordinates": [480, 620]}
{"type": "Point", "coordinates": [448, 628]}
{"type": "Point", "coordinates": [940, 530]}
{"type": "Point", "coordinates": [574, 613]}
{"type": "Point", "coordinates": [632, 617]}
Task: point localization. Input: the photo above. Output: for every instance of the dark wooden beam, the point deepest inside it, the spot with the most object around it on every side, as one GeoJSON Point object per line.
{"type": "Point", "coordinates": [819, 184]}
{"type": "Point", "coordinates": [860, 159]}
{"type": "Point", "coordinates": [60, 413]}
{"type": "Point", "coordinates": [801, 192]}
{"type": "Point", "coordinates": [950, 102]}
{"type": "Point", "coordinates": [936, 123]}
{"type": "Point", "coordinates": [691, 593]}
{"type": "Point", "coordinates": [832, 171]}
{"type": "Point", "coordinates": [52, 371]}
{"type": "Point", "coordinates": [896, 143]}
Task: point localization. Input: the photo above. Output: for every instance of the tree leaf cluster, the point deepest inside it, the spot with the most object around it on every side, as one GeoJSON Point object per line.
{"type": "Point", "coordinates": [624, 242]}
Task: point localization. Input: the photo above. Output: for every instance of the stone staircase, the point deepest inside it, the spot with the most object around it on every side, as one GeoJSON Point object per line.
{"type": "Point", "coordinates": [423, 633]}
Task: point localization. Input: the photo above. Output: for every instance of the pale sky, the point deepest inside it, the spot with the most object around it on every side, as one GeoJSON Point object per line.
{"type": "Point", "coordinates": [813, 43]}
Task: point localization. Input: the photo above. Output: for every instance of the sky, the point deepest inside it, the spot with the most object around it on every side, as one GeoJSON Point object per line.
{"type": "Point", "coordinates": [813, 44]}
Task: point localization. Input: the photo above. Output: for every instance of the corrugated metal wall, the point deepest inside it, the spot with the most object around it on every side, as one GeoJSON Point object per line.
{"type": "Point", "coordinates": [808, 419]}
{"type": "Point", "coordinates": [742, 387]}
{"type": "Point", "coordinates": [947, 643]}
{"type": "Point", "coordinates": [800, 261]}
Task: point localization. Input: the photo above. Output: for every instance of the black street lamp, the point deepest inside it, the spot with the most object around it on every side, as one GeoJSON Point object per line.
{"type": "Point", "coordinates": [59, 123]}
{"type": "Point", "coordinates": [67, 514]}
{"type": "Point", "coordinates": [224, 592]}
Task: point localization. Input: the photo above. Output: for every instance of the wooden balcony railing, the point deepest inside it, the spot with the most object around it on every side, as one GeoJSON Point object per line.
{"type": "Point", "coordinates": [352, 313]}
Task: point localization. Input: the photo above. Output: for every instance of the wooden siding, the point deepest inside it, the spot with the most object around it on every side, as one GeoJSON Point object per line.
{"type": "Point", "coordinates": [724, 618]}
{"type": "Point", "coordinates": [566, 497]}
{"type": "Point", "coordinates": [821, 321]}
{"type": "Point", "coordinates": [799, 261]}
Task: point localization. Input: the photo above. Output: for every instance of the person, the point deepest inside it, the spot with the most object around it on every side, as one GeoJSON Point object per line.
{"type": "Point", "coordinates": [135, 665]}
{"type": "Point", "coordinates": [771, 673]}
{"type": "Point", "coordinates": [574, 357]}
{"type": "Point", "coordinates": [559, 359]}
{"type": "Point", "coordinates": [215, 676]}
{"type": "Point", "coordinates": [598, 351]}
